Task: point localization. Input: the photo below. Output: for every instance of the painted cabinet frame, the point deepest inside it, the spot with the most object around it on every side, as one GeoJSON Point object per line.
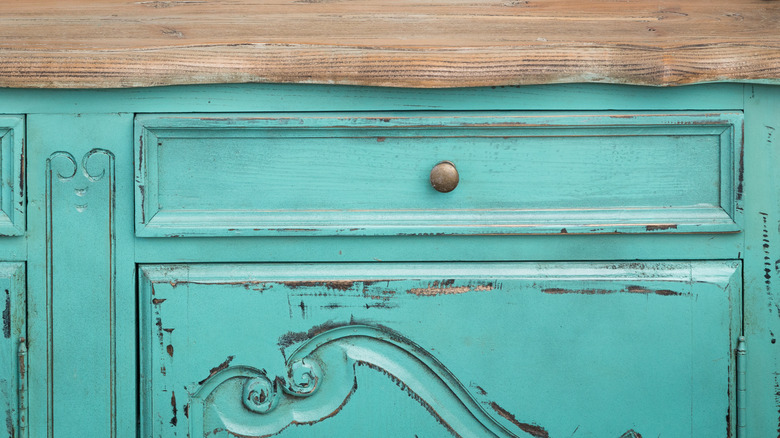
{"type": "Point", "coordinates": [81, 253]}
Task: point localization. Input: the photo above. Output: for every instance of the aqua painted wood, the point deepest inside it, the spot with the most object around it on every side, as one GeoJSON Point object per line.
{"type": "Point", "coordinates": [471, 343]}
{"type": "Point", "coordinates": [13, 345]}
{"type": "Point", "coordinates": [626, 330]}
{"type": "Point", "coordinates": [368, 174]}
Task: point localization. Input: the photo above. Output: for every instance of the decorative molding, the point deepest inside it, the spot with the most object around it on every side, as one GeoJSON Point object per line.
{"type": "Point", "coordinates": [61, 168]}
{"type": "Point", "coordinates": [320, 379]}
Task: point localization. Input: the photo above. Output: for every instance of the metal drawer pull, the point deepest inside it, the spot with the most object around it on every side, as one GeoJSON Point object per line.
{"type": "Point", "coordinates": [444, 177]}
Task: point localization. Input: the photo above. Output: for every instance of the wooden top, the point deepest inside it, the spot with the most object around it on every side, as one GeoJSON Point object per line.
{"type": "Point", "coordinates": [405, 43]}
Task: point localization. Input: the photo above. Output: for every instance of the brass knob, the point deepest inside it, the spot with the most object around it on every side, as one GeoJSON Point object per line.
{"type": "Point", "coordinates": [444, 177]}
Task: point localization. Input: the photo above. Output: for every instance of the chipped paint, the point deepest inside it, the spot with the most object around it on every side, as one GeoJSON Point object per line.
{"type": "Point", "coordinates": [446, 287]}
{"type": "Point", "coordinates": [531, 429]}
{"type": "Point", "coordinates": [174, 419]}
{"type": "Point", "coordinates": [628, 289]}
{"type": "Point", "coordinates": [741, 170]}
{"type": "Point", "coordinates": [341, 285]}
{"type": "Point", "coordinates": [767, 262]}
{"type": "Point", "coordinates": [661, 227]}
{"type": "Point", "coordinates": [7, 316]}
{"type": "Point", "coordinates": [158, 323]}
{"type": "Point", "coordinates": [777, 400]}
{"type": "Point", "coordinates": [22, 170]}
{"type": "Point", "coordinates": [480, 390]}
{"type": "Point", "coordinates": [218, 368]}
{"type": "Point", "coordinates": [9, 423]}
{"type": "Point", "coordinates": [291, 338]}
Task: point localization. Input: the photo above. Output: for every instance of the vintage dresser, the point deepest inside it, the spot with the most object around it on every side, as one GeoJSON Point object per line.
{"type": "Point", "coordinates": [313, 218]}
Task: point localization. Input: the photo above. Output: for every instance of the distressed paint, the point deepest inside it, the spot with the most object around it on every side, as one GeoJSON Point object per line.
{"type": "Point", "coordinates": [762, 260]}
{"type": "Point", "coordinates": [78, 121]}
{"type": "Point", "coordinates": [412, 343]}
{"type": "Point", "coordinates": [72, 185]}
{"type": "Point", "coordinates": [284, 174]}
{"type": "Point", "coordinates": [12, 377]}
{"type": "Point", "coordinates": [13, 202]}
{"type": "Point", "coordinates": [78, 351]}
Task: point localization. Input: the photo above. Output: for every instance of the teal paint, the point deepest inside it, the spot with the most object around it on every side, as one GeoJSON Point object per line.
{"type": "Point", "coordinates": [13, 319]}
{"type": "Point", "coordinates": [741, 388]}
{"type": "Point", "coordinates": [82, 287]}
{"type": "Point", "coordinates": [452, 320]}
{"type": "Point", "coordinates": [79, 284]}
{"type": "Point", "coordinates": [12, 200]}
{"type": "Point", "coordinates": [762, 271]}
{"type": "Point", "coordinates": [98, 334]}
{"type": "Point", "coordinates": [290, 97]}
{"type": "Point", "coordinates": [22, 382]}
{"type": "Point", "coordinates": [368, 173]}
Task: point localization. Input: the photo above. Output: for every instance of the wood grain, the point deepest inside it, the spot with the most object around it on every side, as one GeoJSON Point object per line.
{"type": "Point", "coordinates": [408, 43]}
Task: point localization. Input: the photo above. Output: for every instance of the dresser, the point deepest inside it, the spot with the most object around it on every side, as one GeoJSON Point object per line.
{"type": "Point", "coordinates": [321, 219]}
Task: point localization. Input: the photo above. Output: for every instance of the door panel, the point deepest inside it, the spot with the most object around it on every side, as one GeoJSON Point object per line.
{"type": "Point", "coordinates": [13, 349]}
{"type": "Point", "coordinates": [433, 349]}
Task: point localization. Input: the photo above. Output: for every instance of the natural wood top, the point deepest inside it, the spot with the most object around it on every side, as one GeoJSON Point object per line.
{"type": "Point", "coordinates": [410, 43]}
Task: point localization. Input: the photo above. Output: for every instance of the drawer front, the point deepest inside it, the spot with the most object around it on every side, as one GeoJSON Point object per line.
{"type": "Point", "coordinates": [473, 349]}
{"type": "Point", "coordinates": [368, 174]}
{"type": "Point", "coordinates": [12, 167]}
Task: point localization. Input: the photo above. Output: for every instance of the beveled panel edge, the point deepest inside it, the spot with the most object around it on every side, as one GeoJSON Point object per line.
{"type": "Point", "coordinates": [192, 223]}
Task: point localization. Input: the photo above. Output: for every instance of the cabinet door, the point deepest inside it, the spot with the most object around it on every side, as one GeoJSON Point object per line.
{"type": "Point", "coordinates": [432, 349]}
{"type": "Point", "coordinates": [13, 349]}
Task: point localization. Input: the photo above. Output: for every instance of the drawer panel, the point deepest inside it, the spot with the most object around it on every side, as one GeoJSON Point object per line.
{"type": "Point", "coordinates": [368, 174]}
{"type": "Point", "coordinates": [479, 349]}
{"type": "Point", "coordinates": [12, 191]}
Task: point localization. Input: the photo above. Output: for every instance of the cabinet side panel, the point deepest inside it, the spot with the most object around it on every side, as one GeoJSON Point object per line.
{"type": "Point", "coordinates": [762, 259]}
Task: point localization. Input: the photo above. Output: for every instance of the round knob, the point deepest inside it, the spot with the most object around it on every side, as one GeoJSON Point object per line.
{"type": "Point", "coordinates": [444, 177]}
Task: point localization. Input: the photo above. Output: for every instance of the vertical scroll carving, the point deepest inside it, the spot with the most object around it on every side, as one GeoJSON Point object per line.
{"type": "Point", "coordinates": [80, 275]}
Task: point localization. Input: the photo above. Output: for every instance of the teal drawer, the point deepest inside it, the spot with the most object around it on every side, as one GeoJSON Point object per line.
{"type": "Point", "coordinates": [13, 201]}
{"type": "Point", "coordinates": [368, 174]}
{"type": "Point", "coordinates": [476, 349]}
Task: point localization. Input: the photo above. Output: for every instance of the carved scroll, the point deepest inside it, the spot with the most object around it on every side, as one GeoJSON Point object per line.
{"type": "Point", "coordinates": [320, 378]}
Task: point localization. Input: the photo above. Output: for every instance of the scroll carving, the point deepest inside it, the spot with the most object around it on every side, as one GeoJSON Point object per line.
{"type": "Point", "coordinates": [320, 378]}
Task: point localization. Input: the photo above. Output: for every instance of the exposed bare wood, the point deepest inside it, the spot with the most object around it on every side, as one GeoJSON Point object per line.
{"type": "Point", "coordinates": [414, 43]}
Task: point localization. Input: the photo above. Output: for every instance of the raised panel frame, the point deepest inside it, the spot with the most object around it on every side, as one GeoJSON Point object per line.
{"type": "Point", "coordinates": [153, 220]}
{"type": "Point", "coordinates": [175, 306]}
{"type": "Point", "coordinates": [12, 175]}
